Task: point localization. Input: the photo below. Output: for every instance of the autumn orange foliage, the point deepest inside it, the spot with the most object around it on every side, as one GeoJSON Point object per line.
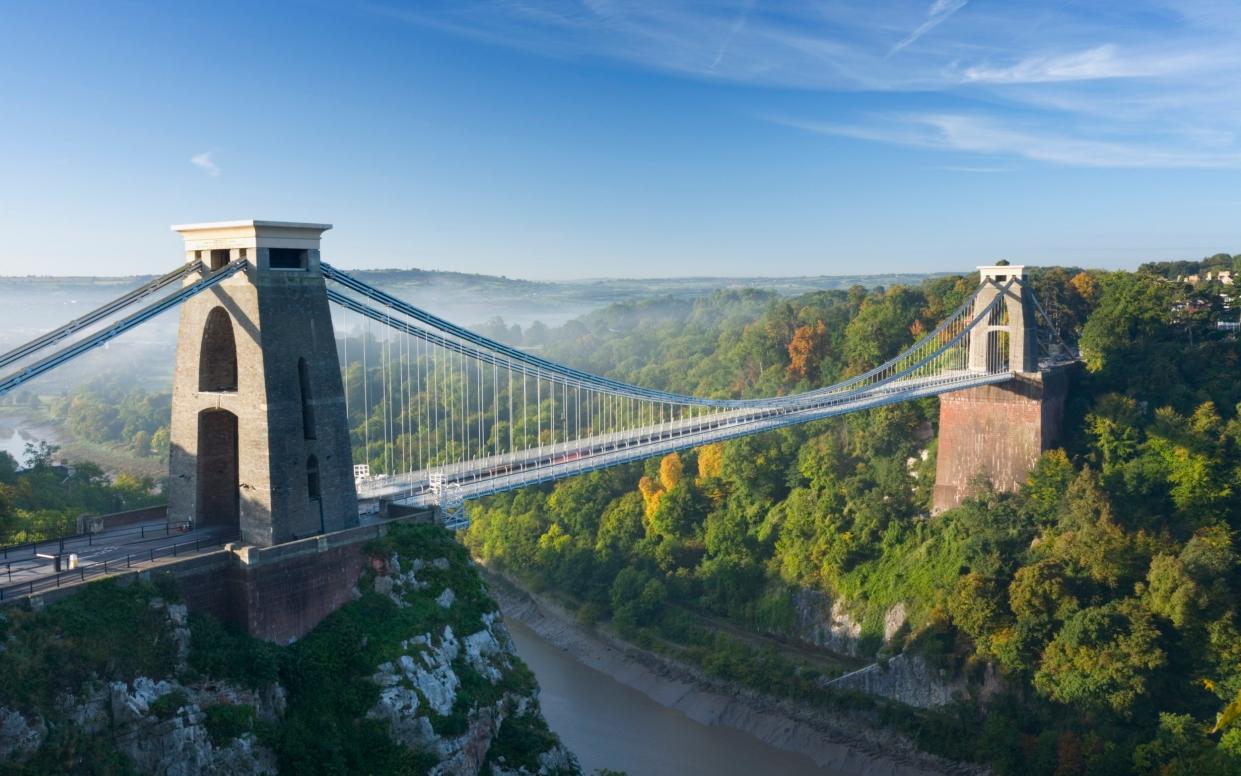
{"type": "Point", "coordinates": [806, 350]}
{"type": "Point", "coordinates": [1084, 284]}
{"type": "Point", "coordinates": [710, 461]}
{"type": "Point", "coordinates": [670, 469]}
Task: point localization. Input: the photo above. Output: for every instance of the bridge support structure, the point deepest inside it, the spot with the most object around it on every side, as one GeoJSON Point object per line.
{"type": "Point", "coordinates": [259, 437]}
{"type": "Point", "coordinates": [996, 433]}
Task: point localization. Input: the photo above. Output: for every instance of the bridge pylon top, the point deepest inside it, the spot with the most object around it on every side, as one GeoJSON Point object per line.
{"type": "Point", "coordinates": [1001, 272]}
{"type": "Point", "coordinates": [267, 245]}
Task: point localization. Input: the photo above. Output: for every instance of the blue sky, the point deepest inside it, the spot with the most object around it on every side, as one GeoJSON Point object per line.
{"type": "Point", "coordinates": [587, 138]}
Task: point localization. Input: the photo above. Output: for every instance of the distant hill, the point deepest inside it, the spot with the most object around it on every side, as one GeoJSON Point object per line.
{"type": "Point", "coordinates": [33, 303]}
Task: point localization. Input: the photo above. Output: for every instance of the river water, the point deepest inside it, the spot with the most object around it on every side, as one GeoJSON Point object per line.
{"type": "Point", "coordinates": [609, 725]}
{"type": "Point", "coordinates": [13, 439]}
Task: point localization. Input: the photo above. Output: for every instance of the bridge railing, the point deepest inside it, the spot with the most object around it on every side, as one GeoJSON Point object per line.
{"type": "Point", "coordinates": [142, 532]}
{"type": "Point", "coordinates": [109, 566]}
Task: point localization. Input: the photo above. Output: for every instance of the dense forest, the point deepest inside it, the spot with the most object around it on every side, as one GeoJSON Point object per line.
{"type": "Point", "coordinates": [1103, 592]}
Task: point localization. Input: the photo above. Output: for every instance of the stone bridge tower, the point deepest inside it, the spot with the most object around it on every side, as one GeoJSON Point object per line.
{"type": "Point", "coordinates": [997, 432]}
{"type": "Point", "coordinates": [259, 440]}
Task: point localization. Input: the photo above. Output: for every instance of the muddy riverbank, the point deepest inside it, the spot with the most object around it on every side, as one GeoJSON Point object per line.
{"type": "Point", "coordinates": [842, 742]}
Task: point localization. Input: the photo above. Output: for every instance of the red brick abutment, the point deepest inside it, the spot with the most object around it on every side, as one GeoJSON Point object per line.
{"type": "Point", "coordinates": [997, 432]}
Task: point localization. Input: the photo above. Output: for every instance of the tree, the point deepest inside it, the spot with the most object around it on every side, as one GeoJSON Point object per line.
{"type": "Point", "coordinates": [710, 461]}
{"type": "Point", "coordinates": [636, 598]}
{"type": "Point", "coordinates": [881, 327]}
{"type": "Point", "coordinates": [670, 469]}
{"type": "Point", "coordinates": [40, 455]}
{"type": "Point", "coordinates": [1102, 659]}
{"type": "Point", "coordinates": [1088, 540]}
{"type": "Point", "coordinates": [1047, 483]}
{"type": "Point", "coordinates": [1113, 423]}
{"type": "Point", "coordinates": [806, 350]}
{"type": "Point", "coordinates": [620, 528]}
{"type": "Point", "coordinates": [1172, 593]}
{"type": "Point", "coordinates": [141, 443]}
{"type": "Point", "coordinates": [1133, 309]}
{"type": "Point", "coordinates": [1041, 590]}
{"type": "Point", "coordinates": [977, 608]}
{"type": "Point", "coordinates": [160, 442]}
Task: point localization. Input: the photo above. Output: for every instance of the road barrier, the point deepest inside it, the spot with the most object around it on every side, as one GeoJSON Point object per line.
{"type": "Point", "coordinates": [31, 549]}
{"type": "Point", "coordinates": [53, 581]}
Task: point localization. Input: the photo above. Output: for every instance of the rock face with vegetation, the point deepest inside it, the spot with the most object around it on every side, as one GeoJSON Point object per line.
{"type": "Point", "coordinates": [416, 675]}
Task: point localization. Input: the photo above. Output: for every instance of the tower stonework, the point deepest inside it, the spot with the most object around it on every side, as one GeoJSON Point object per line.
{"type": "Point", "coordinates": [259, 438]}
{"type": "Point", "coordinates": [997, 432]}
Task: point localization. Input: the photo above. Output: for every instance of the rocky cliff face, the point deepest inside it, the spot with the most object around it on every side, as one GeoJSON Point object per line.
{"type": "Point", "coordinates": [905, 678]}
{"type": "Point", "coordinates": [909, 679]}
{"type": "Point", "coordinates": [417, 675]}
{"type": "Point", "coordinates": [822, 622]}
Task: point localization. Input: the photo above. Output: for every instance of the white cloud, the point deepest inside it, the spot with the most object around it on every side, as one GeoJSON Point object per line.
{"type": "Point", "coordinates": [939, 12]}
{"type": "Point", "coordinates": [205, 163]}
{"type": "Point", "coordinates": [1143, 83]}
{"type": "Point", "coordinates": [1095, 63]}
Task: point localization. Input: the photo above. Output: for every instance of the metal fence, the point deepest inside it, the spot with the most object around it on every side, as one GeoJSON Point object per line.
{"type": "Point", "coordinates": [113, 566]}
{"type": "Point", "coordinates": [31, 549]}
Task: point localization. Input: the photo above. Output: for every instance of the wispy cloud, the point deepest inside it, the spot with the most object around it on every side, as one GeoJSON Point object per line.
{"type": "Point", "coordinates": [1092, 64]}
{"type": "Point", "coordinates": [742, 18]}
{"type": "Point", "coordinates": [939, 12]}
{"type": "Point", "coordinates": [1144, 83]}
{"type": "Point", "coordinates": [205, 163]}
{"type": "Point", "coordinates": [983, 136]}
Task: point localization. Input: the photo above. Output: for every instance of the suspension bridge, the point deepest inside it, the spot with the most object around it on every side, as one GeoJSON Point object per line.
{"type": "Point", "coordinates": [302, 391]}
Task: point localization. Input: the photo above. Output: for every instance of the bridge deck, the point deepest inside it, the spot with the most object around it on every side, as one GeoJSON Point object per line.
{"type": "Point", "coordinates": [495, 474]}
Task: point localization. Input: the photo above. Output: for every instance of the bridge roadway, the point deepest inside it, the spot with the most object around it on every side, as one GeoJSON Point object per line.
{"type": "Point", "coordinates": [31, 568]}
{"type": "Point", "coordinates": [495, 474]}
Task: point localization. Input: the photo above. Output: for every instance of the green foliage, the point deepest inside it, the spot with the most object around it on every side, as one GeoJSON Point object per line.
{"type": "Point", "coordinates": [104, 632]}
{"type": "Point", "coordinates": [1102, 659]}
{"type": "Point", "coordinates": [226, 721]}
{"type": "Point", "coordinates": [225, 651]}
{"type": "Point", "coordinates": [1133, 309]}
{"type": "Point", "coordinates": [113, 411]}
{"type": "Point", "coordinates": [169, 704]}
{"type": "Point", "coordinates": [520, 741]}
{"type": "Point", "coordinates": [43, 500]}
{"type": "Point", "coordinates": [1182, 747]}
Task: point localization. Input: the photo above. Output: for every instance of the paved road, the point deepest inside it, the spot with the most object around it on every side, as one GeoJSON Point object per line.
{"type": "Point", "coordinates": [33, 568]}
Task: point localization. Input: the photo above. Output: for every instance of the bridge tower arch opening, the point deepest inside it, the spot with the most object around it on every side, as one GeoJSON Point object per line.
{"type": "Point", "coordinates": [217, 356]}
{"type": "Point", "coordinates": [218, 495]}
{"type": "Point", "coordinates": [259, 436]}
